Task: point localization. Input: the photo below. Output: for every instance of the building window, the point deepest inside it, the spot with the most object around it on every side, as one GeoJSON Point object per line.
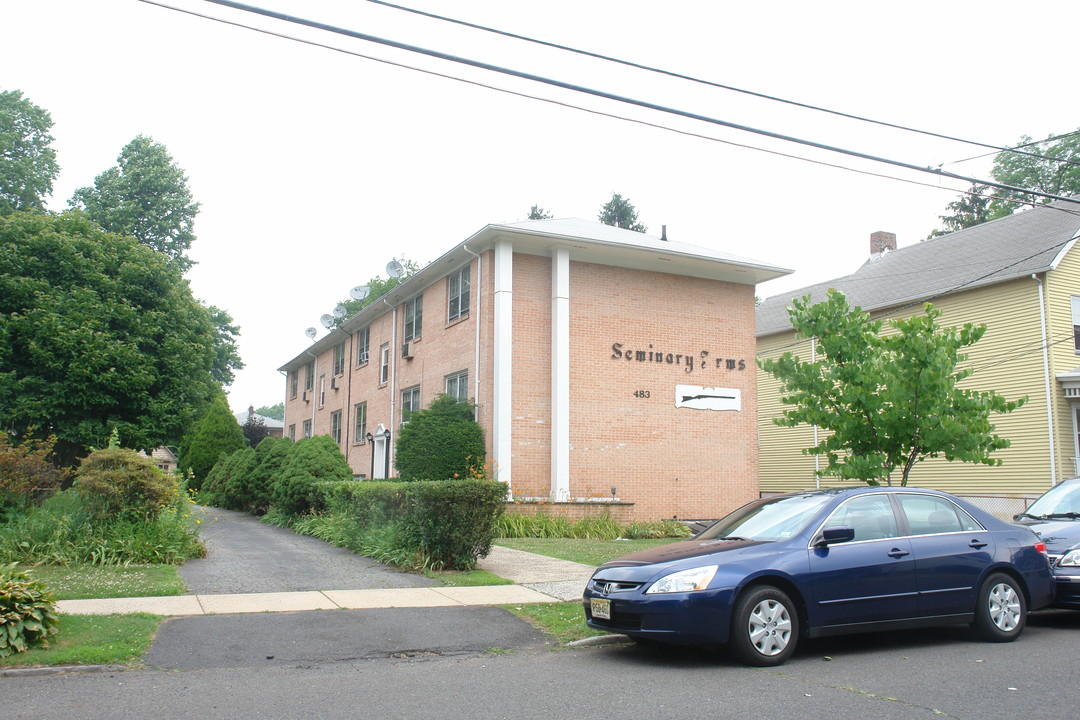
{"type": "Point", "coordinates": [458, 294]}
{"type": "Point", "coordinates": [384, 363]}
{"type": "Point", "coordinates": [410, 402]}
{"type": "Point", "coordinates": [362, 339]}
{"type": "Point", "coordinates": [335, 426]}
{"type": "Point", "coordinates": [457, 385]}
{"type": "Point", "coordinates": [307, 428]}
{"type": "Point", "coordinates": [360, 431]}
{"type": "Point", "coordinates": [294, 380]}
{"type": "Point", "coordinates": [309, 376]}
{"type": "Point", "coordinates": [339, 359]}
{"type": "Point", "coordinates": [292, 432]}
{"type": "Point", "coordinates": [322, 390]}
{"type": "Point", "coordinates": [1076, 322]}
{"type": "Point", "coordinates": [414, 314]}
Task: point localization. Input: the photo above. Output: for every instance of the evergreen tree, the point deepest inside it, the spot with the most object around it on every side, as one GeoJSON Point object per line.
{"type": "Point", "coordinates": [441, 442]}
{"type": "Point", "coordinates": [216, 433]}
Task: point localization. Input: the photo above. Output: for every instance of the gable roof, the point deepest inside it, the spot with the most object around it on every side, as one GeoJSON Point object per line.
{"type": "Point", "coordinates": [1028, 242]}
{"type": "Point", "coordinates": [268, 422]}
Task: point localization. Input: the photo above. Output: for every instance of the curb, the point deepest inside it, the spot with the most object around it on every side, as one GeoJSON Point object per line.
{"type": "Point", "coordinates": [61, 670]}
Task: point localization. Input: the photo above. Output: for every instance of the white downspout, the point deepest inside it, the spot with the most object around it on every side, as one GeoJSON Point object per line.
{"type": "Point", "coordinates": [394, 350]}
{"type": "Point", "coordinates": [1046, 380]}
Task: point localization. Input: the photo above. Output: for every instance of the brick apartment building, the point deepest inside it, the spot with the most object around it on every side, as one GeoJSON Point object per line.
{"type": "Point", "coordinates": [606, 366]}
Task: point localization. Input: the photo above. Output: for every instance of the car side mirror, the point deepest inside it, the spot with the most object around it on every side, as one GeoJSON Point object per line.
{"type": "Point", "coordinates": [835, 534]}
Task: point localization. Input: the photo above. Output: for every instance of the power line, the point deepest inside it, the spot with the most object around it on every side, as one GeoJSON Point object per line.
{"type": "Point", "coordinates": [619, 98]}
{"type": "Point", "coordinates": [710, 83]}
{"type": "Point", "coordinates": [1052, 138]}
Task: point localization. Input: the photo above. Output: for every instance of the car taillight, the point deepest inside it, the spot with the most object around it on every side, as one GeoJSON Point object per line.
{"type": "Point", "coordinates": [1041, 547]}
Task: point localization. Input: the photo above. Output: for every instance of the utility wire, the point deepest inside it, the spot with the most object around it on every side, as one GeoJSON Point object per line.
{"type": "Point", "coordinates": [690, 78]}
{"type": "Point", "coordinates": [1052, 138]}
{"type": "Point", "coordinates": [623, 99]}
{"type": "Point", "coordinates": [560, 103]}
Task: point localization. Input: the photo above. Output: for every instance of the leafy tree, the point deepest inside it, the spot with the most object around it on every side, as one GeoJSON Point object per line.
{"type": "Point", "coordinates": [27, 163]}
{"type": "Point", "coordinates": [1057, 176]}
{"type": "Point", "coordinates": [538, 213]}
{"type": "Point", "coordinates": [377, 287]}
{"type": "Point", "coordinates": [441, 442]}
{"type": "Point", "coordinates": [226, 351]}
{"type": "Point", "coordinates": [145, 196]}
{"type": "Point", "coordinates": [254, 429]}
{"type": "Point", "coordinates": [1057, 172]}
{"type": "Point", "coordinates": [887, 402]}
{"type": "Point", "coordinates": [216, 433]}
{"type": "Point", "coordinates": [273, 411]}
{"type": "Point", "coordinates": [97, 334]}
{"type": "Point", "coordinates": [619, 212]}
{"type": "Point", "coordinates": [971, 208]}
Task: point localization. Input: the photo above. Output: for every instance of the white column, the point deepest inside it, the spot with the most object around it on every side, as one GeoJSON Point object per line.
{"type": "Point", "coordinates": [560, 374]}
{"type": "Point", "coordinates": [502, 420]}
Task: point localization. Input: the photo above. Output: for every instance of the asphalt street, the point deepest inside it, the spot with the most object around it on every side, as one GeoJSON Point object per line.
{"type": "Point", "coordinates": [932, 674]}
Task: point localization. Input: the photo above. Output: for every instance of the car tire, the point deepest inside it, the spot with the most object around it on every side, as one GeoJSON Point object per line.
{"type": "Point", "coordinates": [1000, 609]}
{"type": "Point", "coordinates": [764, 628]}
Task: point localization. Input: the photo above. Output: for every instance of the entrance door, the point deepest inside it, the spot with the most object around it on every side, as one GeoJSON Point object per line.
{"type": "Point", "coordinates": [380, 446]}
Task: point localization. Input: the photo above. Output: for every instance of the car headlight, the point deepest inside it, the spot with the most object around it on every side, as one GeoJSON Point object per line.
{"type": "Point", "coordinates": [684, 581]}
{"type": "Point", "coordinates": [1071, 558]}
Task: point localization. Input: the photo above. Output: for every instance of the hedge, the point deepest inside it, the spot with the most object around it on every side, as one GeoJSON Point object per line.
{"type": "Point", "coordinates": [449, 523]}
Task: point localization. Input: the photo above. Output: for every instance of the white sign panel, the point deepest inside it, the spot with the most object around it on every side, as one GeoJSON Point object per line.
{"type": "Point", "coordinates": [707, 398]}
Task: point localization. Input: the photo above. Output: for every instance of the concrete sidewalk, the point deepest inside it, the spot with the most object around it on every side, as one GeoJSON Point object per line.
{"type": "Point", "coordinates": [538, 579]}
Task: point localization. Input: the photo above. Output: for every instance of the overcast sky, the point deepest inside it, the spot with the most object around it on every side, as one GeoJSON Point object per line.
{"type": "Point", "coordinates": [315, 167]}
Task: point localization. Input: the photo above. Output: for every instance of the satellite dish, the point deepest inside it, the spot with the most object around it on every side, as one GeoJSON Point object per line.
{"type": "Point", "coordinates": [310, 332]}
{"type": "Point", "coordinates": [359, 292]}
{"type": "Point", "coordinates": [340, 311]}
{"type": "Point", "coordinates": [327, 321]}
{"type": "Point", "coordinates": [395, 269]}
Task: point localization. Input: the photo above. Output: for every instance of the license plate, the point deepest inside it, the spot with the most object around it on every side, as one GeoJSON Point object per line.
{"type": "Point", "coordinates": [601, 608]}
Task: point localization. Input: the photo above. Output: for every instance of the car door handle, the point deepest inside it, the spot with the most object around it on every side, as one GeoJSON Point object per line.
{"type": "Point", "coordinates": [898, 553]}
{"type": "Point", "coordinates": [977, 544]}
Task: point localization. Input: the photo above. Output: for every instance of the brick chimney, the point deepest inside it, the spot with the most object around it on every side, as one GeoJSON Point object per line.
{"type": "Point", "coordinates": [882, 241]}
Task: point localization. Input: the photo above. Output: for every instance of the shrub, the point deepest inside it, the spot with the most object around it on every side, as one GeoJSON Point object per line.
{"type": "Point", "coordinates": [27, 612]}
{"type": "Point", "coordinates": [215, 433]}
{"type": "Point", "coordinates": [26, 475]}
{"type": "Point", "coordinates": [120, 483]}
{"type": "Point", "coordinates": [62, 532]}
{"type": "Point", "coordinates": [600, 527]}
{"type": "Point", "coordinates": [440, 442]}
{"type": "Point", "coordinates": [312, 461]}
{"type": "Point", "coordinates": [419, 525]}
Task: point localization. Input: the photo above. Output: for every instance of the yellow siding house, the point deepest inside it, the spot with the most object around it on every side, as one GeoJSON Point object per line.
{"type": "Point", "coordinates": [1020, 276]}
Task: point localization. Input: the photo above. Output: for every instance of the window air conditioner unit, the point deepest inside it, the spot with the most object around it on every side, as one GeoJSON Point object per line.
{"type": "Point", "coordinates": [406, 351]}
{"type": "Point", "coordinates": [363, 358]}
{"type": "Point", "coordinates": [333, 383]}
{"type": "Point", "coordinates": [306, 396]}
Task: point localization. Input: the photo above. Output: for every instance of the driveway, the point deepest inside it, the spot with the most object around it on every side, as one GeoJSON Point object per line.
{"type": "Point", "coordinates": [245, 555]}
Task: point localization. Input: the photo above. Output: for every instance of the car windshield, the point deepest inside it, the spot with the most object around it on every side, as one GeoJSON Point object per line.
{"type": "Point", "coordinates": [768, 519]}
{"type": "Point", "coordinates": [1062, 501]}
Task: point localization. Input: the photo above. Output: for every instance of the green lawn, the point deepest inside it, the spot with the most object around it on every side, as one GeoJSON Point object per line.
{"type": "Point", "coordinates": [92, 640]}
{"type": "Point", "coordinates": [589, 552]}
{"type": "Point", "coordinates": [79, 582]}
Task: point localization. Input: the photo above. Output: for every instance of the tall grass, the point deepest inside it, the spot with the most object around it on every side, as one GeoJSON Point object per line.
{"type": "Point", "coordinates": [63, 532]}
{"type": "Point", "coordinates": [599, 527]}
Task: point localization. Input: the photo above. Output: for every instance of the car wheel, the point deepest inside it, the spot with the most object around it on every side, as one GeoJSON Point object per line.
{"type": "Point", "coordinates": [765, 627]}
{"type": "Point", "coordinates": [1000, 611]}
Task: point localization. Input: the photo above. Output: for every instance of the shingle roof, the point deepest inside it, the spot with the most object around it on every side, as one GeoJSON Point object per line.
{"type": "Point", "coordinates": [1028, 242]}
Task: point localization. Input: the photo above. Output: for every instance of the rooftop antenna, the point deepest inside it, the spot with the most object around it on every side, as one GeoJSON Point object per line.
{"type": "Point", "coordinates": [359, 292]}
{"type": "Point", "coordinates": [327, 321]}
{"type": "Point", "coordinates": [340, 311]}
{"type": "Point", "coordinates": [395, 269]}
{"type": "Point", "coordinates": [310, 332]}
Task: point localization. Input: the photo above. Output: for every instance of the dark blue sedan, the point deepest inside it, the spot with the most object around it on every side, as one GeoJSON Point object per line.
{"type": "Point", "coordinates": [826, 562]}
{"type": "Point", "coordinates": [1055, 518]}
